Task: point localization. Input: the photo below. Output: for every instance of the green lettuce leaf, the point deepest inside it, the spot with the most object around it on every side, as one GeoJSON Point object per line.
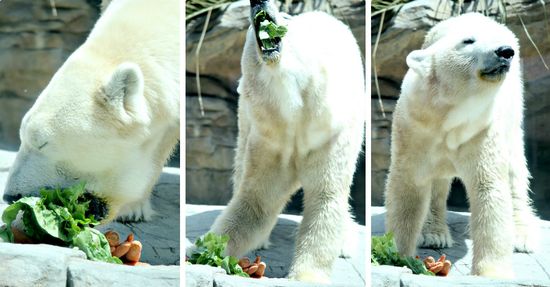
{"type": "Point", "coordinates": [209, 251]}
{"type": "Point", "coordinates": [95, 245]}
{"type": "Point", "coordinates": [384, 252]}
{"type": "Point", "coordinates": [59, 216]}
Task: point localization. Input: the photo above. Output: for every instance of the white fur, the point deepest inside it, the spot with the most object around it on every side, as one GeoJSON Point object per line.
{"type": "Point", "coordinates": [450, 121]}
{"type": "Point", "coordinates": [300, 124]}
{"type": "Point", "coordinates": [110, 114]}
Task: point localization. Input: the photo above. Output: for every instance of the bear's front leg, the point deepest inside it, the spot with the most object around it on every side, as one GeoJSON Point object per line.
{"type": "Point", "coordinates": [262, 188]}
{"type": "Point", "coordinates": [491, 223]}
{"type": "Point", "coordinates": [326, 176]}
{"type": "Point", "coordinates": [407, 205]}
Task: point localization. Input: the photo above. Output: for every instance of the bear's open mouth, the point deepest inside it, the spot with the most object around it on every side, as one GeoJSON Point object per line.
{"type": "Point", "coordinates": [266, 45]}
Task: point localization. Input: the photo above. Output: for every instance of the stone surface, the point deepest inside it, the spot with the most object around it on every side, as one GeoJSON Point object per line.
{"type": "Point", "coordinates": [201, 275]}
{"type": "Point", "coordinates": [159, 237]}
{"type": "Point", "coordinates": [387, 276]}
{"type": "Point", "coordinates": [46, 265]}
{"type": "Point", "coordinates": [88, 273]}
{"type": "Point", "coordinates": [211, 140]}
{"type": "Point", "coordinates": [530, 269]}
{"type": "Point", "coordinates": [403, 32]}
{"type": "Point", "coordinates": [346, 271]}
{"type": "Point", "coordinates": [34, 42]}
{"type": "Point", "coordinates": [34, 265]}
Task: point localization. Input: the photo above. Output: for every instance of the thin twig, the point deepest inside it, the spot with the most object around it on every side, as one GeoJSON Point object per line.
{"type": "Point", "coordinates": [529, 37]}
{"type": "Point", "coordinates": [374, 65]}
{"type": "Point", "coordinates": [197, 67]}
{"type": "Point", "coordinates": [54, 10]}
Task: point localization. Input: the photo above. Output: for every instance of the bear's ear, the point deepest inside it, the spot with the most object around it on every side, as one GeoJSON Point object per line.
{"type": "Point", "coordinates": [420, 62]}
{"type": "Point", "coordinates": [124, 91]}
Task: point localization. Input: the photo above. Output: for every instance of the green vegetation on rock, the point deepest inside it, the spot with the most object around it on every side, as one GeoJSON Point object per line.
{"type": "Point", "coordinates": [59, 216]}
{"type": "Point", "coordinates": [209, 251]}
{"type": "Point", "coordinates": [384, 252]}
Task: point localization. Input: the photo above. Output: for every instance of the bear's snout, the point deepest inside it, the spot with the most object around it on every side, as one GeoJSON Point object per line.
{"type": "Point", "coordinates": [505, 53]}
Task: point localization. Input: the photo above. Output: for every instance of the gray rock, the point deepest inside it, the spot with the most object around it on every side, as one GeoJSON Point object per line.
{"type": "Point", "coordinates": [35, 265]}
{"type": "Point", "coordinates": [403, 32]}
{"type": "Point", "coordinates": [236, 281]}
{"type": "Point", "coordinates": [201, 275]}
{"type": "Point", "coordinates": [387, 276]}
{"type": "Point", "coordinates": [33, 44]}
{"type": "Point", "coordinates": [89, 273]}
{"type": "Point", "coordinates": [160, 236]}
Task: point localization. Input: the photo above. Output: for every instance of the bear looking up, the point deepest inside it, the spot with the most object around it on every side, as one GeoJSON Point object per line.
{"type": "Point", "coordinates": [460, 115]}
{"type": "Point", "coordinates": [301, 124]}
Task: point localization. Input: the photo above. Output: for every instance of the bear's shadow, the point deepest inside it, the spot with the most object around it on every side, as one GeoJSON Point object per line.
{"type": "Point", "coordinates": [278, 256]}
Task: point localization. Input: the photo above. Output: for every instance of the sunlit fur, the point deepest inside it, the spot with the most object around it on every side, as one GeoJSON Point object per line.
{"type": "Point", "coordinates": [300, 124]}
{"type": "Point", "coordinates": [449, 123]}
{"type": "Point", "coordinates": [110, 114]}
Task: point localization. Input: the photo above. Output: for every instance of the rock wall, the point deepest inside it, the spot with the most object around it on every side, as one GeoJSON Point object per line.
{"type": "Point", "coordinates": [35, 39]}
{"type": "Point", "coordinates": [404, 30]}
{"type": "Point", "coordinates": [211, 139]}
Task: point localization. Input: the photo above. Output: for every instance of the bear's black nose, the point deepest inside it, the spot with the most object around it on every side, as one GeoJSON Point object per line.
{"type": "Point", "coordinates": [505, 52]}
{"type": "Point", "coordinates": [9, 198]}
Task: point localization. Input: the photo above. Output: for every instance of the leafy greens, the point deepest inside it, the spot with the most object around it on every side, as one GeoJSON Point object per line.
{"type": "Point", "coordinates": [209, 251]}
{"type": "Point", "coordinates": [268, 30]}
{"type": "Point", "coordinates": [59, 216]}
{"type": "Point", "coordinates": [384, 252]}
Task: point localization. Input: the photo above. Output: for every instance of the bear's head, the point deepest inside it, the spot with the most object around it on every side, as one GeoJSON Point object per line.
{"type": "Point", "coordinates": [470, 52]}
{"type": "Point", "coordinates": [268, 50]}
{"type": "Point", "coordinates": [91, 124]}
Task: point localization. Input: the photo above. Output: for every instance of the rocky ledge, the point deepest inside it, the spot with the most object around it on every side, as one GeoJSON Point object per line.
{"type": "Point", "coordinates": [530, 269]}
{"type": "Point", "coordinates": [349, 272]}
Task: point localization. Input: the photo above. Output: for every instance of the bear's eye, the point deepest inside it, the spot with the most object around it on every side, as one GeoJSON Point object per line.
{"type": "Point", "coordinates": [468, 41]}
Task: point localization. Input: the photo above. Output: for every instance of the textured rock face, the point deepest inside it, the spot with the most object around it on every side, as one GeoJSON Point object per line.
{"type": "Point", "coordinates": [52, 266]}
{"type": "Point", "coordinates": [35, 40]}
{"type": "Point", "coordinates": [211, 139]}
{"type": "Point", "coordinates": [404, 32]}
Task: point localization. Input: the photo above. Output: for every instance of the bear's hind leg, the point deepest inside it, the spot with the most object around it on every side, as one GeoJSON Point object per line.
{"type": "Point", "coordinates": [491, 222]}
{"type": "Point", "coordinates": [435, 232]}
{"type": "Point", "coordinates": [527, 224]}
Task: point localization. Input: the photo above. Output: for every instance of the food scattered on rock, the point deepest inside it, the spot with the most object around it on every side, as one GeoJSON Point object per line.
{"type": "Point", "coordinates": [441, 267]}
{"type": "Point", "coordinates": [128, 251]}
{"type": "Point", "coordinates": [255, 269]}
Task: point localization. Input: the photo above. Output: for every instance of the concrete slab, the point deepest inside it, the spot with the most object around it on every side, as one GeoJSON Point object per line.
{"type": "Point", "coordinates": [531, 269]}
{"type": "Point", "coordinates": [346, 271]}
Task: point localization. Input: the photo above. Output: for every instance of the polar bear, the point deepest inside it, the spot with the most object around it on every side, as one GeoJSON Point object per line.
{"type": "Point", "coordinates": [110, 114]}
{"type": "Point", "coordinates": [301, 124]}
{"type": "Point", "coordinates": [460, 115]}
